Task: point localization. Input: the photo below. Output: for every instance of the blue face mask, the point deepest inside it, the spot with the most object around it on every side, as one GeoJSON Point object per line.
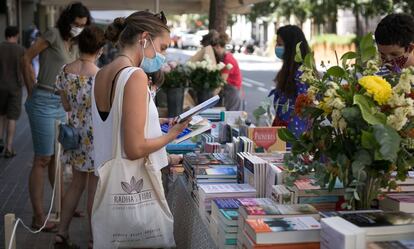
{"type": "Point", "coordinates": [279, 51]}
{"type": "Point", "coordinates": [151, 65]}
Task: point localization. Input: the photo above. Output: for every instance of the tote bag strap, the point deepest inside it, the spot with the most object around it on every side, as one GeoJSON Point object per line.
{"type": "Point", "coordinates": [118, 102]}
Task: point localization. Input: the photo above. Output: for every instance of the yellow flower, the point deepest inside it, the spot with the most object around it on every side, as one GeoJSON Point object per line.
{"type": "Point", "coordinates": [378, 87]}
{"type": "Point", "coordinates": [325, 106]}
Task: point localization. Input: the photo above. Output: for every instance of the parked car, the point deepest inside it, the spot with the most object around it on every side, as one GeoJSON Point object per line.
{"type": "Point", "coordinates": [192, 39]}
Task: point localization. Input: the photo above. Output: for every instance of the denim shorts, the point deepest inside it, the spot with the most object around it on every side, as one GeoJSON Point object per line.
{"type": "Point", "coordinates": [43, 108]}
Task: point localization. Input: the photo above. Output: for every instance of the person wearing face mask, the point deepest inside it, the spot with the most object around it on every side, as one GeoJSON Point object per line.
{"type": "Point", "coordinates": [288, 84]}
{"type": "Point", "coordinates": [142, 38]}
{"type": "Point", "coordinates": [55, 48]}
{"type": "Point", "coordinates": [394, 36]}
{"type": "Point", "coordinates": [74, 84]}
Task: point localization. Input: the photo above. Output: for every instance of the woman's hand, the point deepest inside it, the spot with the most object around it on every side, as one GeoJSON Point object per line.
{"type": "Point", "coordinates": [178, 128]}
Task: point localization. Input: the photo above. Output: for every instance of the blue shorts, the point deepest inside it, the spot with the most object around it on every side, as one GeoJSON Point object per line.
{"type": "Point", "coordinates": [43, 108]}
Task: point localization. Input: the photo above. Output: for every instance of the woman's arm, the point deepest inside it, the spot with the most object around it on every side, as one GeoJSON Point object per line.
{"type": "Point", "coordinates": [65, 102]}
{"type": "Point", "coordinates": [28, 72]}
{"type": "Point", "coordinates": [134, 115]}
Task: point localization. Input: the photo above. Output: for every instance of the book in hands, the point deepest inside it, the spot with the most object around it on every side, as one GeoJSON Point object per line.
{"type": "Point", "coordinates": [197, 109]}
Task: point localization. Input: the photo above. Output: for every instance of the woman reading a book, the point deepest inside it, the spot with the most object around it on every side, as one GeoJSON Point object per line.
{"type": "Point", "coordinates": [143, 38]}
{"type": "Point", "coordinates": [288, 84]}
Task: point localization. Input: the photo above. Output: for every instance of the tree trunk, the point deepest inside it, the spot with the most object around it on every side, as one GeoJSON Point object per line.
{"type": "Point", "coordinates": [357, 21]}
{"type": "Point", "coordinates": [218, 15]}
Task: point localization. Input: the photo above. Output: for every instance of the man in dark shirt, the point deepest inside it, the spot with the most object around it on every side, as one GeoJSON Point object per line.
{"type": "Point", "coordinates": [11, 80]}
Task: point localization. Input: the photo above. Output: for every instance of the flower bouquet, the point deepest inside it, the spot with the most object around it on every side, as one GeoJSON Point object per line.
{"type": "Point", "coordinates": [360, 126]}
{"type": "Point", "coordinates": [205, 77]}
{"type": "Point", "coordinates": [176, 79]}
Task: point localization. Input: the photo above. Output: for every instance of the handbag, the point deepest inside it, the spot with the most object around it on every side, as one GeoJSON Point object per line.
{"type": "Point", "coordinates": [69, 137]}
{"type": "Point", "coordinates": [129, 209]}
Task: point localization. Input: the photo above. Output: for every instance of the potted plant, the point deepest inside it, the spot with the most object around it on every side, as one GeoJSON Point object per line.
{"type": "Point", "coordinates": [361, 126]}
{"type": "Point", "coordinates": [205, 77]}
{"type": "Point", "coordinates": [174, 84]}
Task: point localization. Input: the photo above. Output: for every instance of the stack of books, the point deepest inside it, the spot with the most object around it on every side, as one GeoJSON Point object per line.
{"type": "Point", "coordinates": [209, 192]}
{"type": "Point", "coordinates": [398, 202]}
{"type": "Point", "coordinates": [281, 233]}
{"type": "Point", "coordinates": [208, 168]}
{"type": "Point", "coordinates": [242, 144]}
{"type": "Point", "coordinates": [393, 244]}
{"type": "Point", "coordinates": [181, 148]}
{"type": "Point", "coordinates": [281, 194]}
{"type": "Point", "coordinates": [213, 114]}
{"type": "Point", "coordinates": [379, 225]}
{"type": "Point", "coordinates": [223, 222]}
{"type": "Point", "coordinates": [305, 191]}
{"type": "Point", "coordinates": [403, 186]}
{"type": "Point", "coordinates": [337, 233]}
{"type": "Point", "coordinates": [212, 147]}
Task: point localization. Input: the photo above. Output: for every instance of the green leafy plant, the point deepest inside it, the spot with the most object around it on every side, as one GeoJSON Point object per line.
{"type": "Point", "coordinates": [176, 75]}
{"type": "Point", "coordinates": [361, 126]}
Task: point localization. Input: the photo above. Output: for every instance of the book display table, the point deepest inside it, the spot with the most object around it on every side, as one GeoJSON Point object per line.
{"type": "Point", "coordinates": [190, 231]}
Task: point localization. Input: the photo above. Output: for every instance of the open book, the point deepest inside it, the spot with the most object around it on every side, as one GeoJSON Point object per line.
{"type": "Point", "coordinates": [198, 108]}
{"type": "Point", "coordinates": [197, 126]}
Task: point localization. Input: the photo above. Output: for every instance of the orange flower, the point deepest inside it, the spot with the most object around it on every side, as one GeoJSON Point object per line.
{"type": "Point", "coordinates": [302, 100]}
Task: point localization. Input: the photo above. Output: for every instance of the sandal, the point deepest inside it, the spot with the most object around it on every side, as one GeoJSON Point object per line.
{"type": "Point", "coordinates": [9, 153]}
{"type": "Point", "coordinates": [49, 228]}
{"type": "Point", "coordinates": [64, 243]}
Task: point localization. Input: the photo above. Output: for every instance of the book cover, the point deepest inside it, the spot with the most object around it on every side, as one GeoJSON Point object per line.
{"type": "Point", "coordinates": [267, 138]}
{"type": "Point", "coordinates": [275, 209]}
{"type": "Point", "coordinates": [378, 219]}
{"type": "Point", "coordinates": [283, 224]}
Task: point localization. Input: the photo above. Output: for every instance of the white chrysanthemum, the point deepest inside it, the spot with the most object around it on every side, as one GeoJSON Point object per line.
{"type": "Point", "coordinates": [338, 103]}
{"type": "Point", "coordinates": [330, 93]}
{"type": "Point", "coordinates": [220, 66]}
{"type": "Point", "coordinates": [404, 84]}
{"type": "Point", "coordinates": [371, 68]}
{"type": "Point", "coordinates": [229, 66]}
{"type": "Point", "coordinates": [312, 91]}
{"type": "Point", "coordinates": [399, 118]}
{"type": "Point", "coordinates": [342, 124]}
{"type": "Point", "coordinates": [332, 84]}
{"type": "Point", "coordinates": [396, 100]}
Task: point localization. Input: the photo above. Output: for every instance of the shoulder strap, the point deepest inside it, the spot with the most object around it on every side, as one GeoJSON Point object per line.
{"type": "Point", "coordinates": [112, 86]}
{"type": "Point", "coordinates": [118, 101]}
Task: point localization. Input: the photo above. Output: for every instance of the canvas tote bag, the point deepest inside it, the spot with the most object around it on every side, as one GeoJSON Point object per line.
{"type": "Point", "coordinates": [129, 209]}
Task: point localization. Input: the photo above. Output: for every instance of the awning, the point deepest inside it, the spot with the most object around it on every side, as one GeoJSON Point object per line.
{"type": "Point", "coordinates": [168, 6]}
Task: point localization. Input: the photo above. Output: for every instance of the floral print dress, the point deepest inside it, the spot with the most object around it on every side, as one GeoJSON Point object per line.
{"type": "Point", "coordinates": [78, 91]}
{"type": "Point", "coordinates": [285, 107]}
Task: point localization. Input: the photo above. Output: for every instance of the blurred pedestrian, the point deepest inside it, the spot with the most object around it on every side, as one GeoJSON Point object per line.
{"type": "Point", "coordinates": [233, 76]}
{"type": "Point", "coordinates": [11, 81]}
{"type": "Point", "coordinates": [56, 47]}
{"type": "Point", "coordinates": [288, 84]}
{"type": "Point", "coordinates": [74, 84]}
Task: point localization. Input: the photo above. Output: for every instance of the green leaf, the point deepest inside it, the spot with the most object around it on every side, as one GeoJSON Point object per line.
{"type": "Point", "coordinates": [366, 41]}
{"type": "Point", "coordinates": [309, 60]}
{"type": "Point", "coordinates": [285, 107]}
{"type": "Point", "coordinates": [349, 55]}
{"type": "Point", "coordinates": [370, 114]}
{"type": "Point", "coordinates": [351, 114]}
{"type": "Point", "coordinates": [298, 55]}
{"type": "Point", "coordinates": [389, 141]}
{"type": "Point", "coordinates": [367, 47]}
{"type": "Point", "coordinates": [368, 54]}
{"type": "Point", "coordinates": [336, 71]}
{"type": "Point", "coordinates": [368, 140]}
{"type": "Point", "coordinates": [286, 135]}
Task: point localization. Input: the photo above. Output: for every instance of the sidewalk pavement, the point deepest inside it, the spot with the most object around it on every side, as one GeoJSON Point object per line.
{"type": "Point", "coordinates": [14, 196]}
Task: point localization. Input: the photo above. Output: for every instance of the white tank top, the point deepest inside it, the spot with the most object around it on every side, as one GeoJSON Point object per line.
{"type": "Point", "coordinates": [102, 130]}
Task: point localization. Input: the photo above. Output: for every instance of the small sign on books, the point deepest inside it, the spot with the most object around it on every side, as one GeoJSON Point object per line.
{"type": "Point", "coordinates": [267, 138]}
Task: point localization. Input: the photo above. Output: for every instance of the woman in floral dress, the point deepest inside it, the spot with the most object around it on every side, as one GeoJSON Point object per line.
{"type": "Point", "coordinates": [288, 83]}
{"type": "Point", "coordinates": [74, 84]}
